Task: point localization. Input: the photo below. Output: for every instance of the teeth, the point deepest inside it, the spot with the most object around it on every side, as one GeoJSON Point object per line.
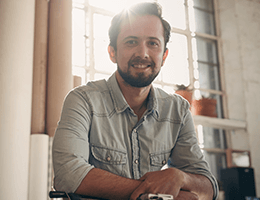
{"type": "Point", "coordinates": [140, 66]}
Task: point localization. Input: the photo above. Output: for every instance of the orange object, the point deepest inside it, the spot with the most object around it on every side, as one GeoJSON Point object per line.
{"type": "Point", "coordinates": [204, 106]}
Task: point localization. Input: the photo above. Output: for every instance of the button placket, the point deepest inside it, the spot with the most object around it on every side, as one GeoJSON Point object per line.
{"type": "Point", "coordinates": [135, 148]}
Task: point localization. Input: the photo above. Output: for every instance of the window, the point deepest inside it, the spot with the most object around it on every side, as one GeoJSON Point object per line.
{"type": "Point", "coordinates": [193, 56]}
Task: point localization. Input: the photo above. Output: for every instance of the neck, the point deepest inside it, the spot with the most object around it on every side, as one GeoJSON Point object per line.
{"type": "Point", "coordinates": [136, 98]}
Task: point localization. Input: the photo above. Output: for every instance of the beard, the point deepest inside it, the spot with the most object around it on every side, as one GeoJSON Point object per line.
{"type": "Point", "coordinates": [141, 80]}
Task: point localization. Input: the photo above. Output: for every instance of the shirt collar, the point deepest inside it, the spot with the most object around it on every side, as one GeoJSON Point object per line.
{"type": "Point", "coordinates": [153, 101]}
{"type": "Point", "coordinates": [119, 101]}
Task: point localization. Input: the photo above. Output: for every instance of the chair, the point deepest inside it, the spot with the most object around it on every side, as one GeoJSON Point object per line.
{"type": "Point", "coordinates": [70, 196]}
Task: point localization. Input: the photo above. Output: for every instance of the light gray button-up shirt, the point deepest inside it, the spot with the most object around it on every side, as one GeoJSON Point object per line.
{"type": "Point", "coordinates": [98, 129]}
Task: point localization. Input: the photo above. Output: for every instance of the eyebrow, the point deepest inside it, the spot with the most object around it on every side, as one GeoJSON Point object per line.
{"type": "Point", "coordinates": [130, 37]}
{"type": "Point", "coordinates": [134, 37]}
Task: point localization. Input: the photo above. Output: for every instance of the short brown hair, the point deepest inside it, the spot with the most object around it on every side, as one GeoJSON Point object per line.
{"type": "Point", "coordinates": [138, 9]}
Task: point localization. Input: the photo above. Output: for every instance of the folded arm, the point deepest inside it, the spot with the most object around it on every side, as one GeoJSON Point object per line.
{"type": "Point", "coordinates": [102, 184]}
{"type": "Point", "coordinates": [181, 185]}
{"type": "Point", "coordinates": [177, 183]}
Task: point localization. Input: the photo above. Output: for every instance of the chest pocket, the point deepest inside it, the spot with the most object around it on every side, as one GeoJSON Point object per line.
{"type": "Point", "coordinates": [111, 160]}
{"type": "Point", "coordinates": [158, 160]}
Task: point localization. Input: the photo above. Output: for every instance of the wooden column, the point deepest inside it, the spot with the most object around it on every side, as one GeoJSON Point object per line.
{"type": "Point", "coordinates": [59, 60]}
{"type": "Point", "coordinates": [40, 67]}
{"type": "Point", "coordinates": [76, 81]}
{"type": "Point", "coordinates": [39, 141]}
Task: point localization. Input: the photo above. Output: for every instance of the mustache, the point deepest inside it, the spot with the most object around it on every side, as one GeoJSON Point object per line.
{"type": "Point", "coordinates": [140, 61]}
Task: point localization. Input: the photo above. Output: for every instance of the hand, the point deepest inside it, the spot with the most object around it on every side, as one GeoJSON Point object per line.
{"type": "Point", "coordinates": [184, 195]}
{"type": "Point", "coordinates": [168, 181]}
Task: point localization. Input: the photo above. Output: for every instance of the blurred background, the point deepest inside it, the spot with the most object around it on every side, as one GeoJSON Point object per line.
{"type": "Point", "coordinates": [49, 47]}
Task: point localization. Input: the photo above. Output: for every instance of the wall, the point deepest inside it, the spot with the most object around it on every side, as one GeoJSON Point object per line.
{"type": "Point", "coordinates": [16, 60]}
{"type": "Point", "coordinates": [240, 33]}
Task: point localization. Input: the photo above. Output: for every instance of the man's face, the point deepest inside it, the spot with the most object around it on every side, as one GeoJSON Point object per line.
{"type": "Point", "coordinates": [140, 50]}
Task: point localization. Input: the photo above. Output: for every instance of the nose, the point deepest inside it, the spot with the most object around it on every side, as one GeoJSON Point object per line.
{"type": "Point", "coordinates": [142, 51]}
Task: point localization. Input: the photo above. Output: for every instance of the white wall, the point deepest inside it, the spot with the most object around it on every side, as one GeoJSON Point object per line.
{"type": "Point", "coordinates": [16, 60]}
{"type": "Point", "coordinates": [240, 31]}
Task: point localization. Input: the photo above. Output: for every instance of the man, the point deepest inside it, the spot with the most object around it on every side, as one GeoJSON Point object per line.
{"type": "Point", "coordinates": [114, 137]}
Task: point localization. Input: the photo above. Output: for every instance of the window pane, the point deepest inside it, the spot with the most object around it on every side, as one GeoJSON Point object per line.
{"type": "Point", "coordinates": [204, 22]}
{"type": "Point", "coordinates": [101, 42]}
{"type": "Point", "coordinates": [206, 50]}
{"type": "Point", "coordinates": [211, 137]}
{"type": "Point", "coordinates": [208, 76]}
{"type": "Point", "coordinates": [204, 4]}
{"type": "Point", "coordinates": [101, 26]}
{"type": "Point", "coordinates": [78, 37]}
{"type": "Point", "coordinates": [168, 89]}
{"type": "Point", "coordinates": [99, 76]}
{"type": "Point", "coordinates": [175, 69]}
{"type": "Point", "coordinates": [174, 12]}
{"type": "Point", "coordinates": [157, 85]}
{"type": "Point", "coordinates": [114, 5]}
{"type": "Point", "coordinates": [204, 16]}
{"type": "Point", "coordinates": [217, 161]}
{"type": "Point", "coordinates": [79, 1]}
{"type": "Point", "coordinates": [81, 72]}
{"type": "Point", "coordinates": [101, 57]}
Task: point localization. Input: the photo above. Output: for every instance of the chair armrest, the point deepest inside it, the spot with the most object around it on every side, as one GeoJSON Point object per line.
{"type": "Point", "coordinates": [72, 196]}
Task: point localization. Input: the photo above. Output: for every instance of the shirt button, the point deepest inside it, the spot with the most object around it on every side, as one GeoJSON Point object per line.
{"type": "Point", "coordinates": [164, 162]}
{"type": "Point", "coordinates": [136, 161]}
{"type": "Point", "coordinates": [108, 158]}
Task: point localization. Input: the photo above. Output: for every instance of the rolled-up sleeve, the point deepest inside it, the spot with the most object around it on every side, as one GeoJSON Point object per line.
{"type": "Point", "coordinates": [71, 146]}
{"type": "Point", "coordinates": [187, 155]}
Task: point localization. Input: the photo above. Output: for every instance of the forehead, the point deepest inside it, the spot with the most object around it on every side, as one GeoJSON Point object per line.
{"type": "Point", "coordinates": [141, 26]}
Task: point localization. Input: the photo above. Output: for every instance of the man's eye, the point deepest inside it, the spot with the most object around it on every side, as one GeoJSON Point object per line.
{"type": "Point", "coordinates": [131, 42]}
{"type": "Point", "coordinates": [153, 43]}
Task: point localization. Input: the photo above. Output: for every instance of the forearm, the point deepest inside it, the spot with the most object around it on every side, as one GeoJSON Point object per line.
{"type": "Point", "coordinates": [103, 184]}
{"type": "Point", "coordinates": [199, 185]}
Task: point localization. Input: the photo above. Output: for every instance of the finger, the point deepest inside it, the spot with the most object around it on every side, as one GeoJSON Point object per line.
{"type": "Point", "coordinates": [137, 192]}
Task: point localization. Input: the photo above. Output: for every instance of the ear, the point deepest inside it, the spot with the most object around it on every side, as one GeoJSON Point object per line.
{"type": "Point", "coordinates": [112, 54]}
{"type": "Point", "coordinates": [165, 54]}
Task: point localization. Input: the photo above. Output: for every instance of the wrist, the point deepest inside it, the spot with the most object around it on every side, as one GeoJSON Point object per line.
{"type": "Point", "coordinates": [181, 176]}
{"type": "Point", "coordinates": [186, 179]}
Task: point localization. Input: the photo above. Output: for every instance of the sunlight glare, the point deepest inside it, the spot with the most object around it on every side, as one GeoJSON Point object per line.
{"type": "Point", "coordinates": [191, 16]}
{"type": "Point", "coordinates": [78, 40]}
{"type": "Point", "coordinates": [197, 94]}
{"type": "Point", "coordinates": [200, 136]}
{"type": "Point", "coordinates": [196, 84]}
{"type": "Point", "coordinates": [174, 12]}
{"type": "Point", "coordinates": [175, 69]}
{"type": "Point", "coordinates": [114, 5]}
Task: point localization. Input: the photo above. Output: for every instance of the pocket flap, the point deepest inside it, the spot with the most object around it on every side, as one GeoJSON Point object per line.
{"type": "Point", "coordinates": [160, 158]}
{"type": "Point", "coordinates": [109, 156]}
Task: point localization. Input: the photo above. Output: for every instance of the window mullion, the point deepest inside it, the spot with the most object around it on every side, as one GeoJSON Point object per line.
{"type": "Point", "coordinates": [207, 36]}
{"type": "Point", "coordinates": [91, 44]}
{"type": "Point", "coordinates": [190, 60]}
{"type": "Point", "coordinates": [220, 59]}
{"type": "Point", "coordinates": [189, 44]}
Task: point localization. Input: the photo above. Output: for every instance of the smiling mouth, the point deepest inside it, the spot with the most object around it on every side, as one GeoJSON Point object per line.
{"type": "Point", "coordinates": [140, 66]}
